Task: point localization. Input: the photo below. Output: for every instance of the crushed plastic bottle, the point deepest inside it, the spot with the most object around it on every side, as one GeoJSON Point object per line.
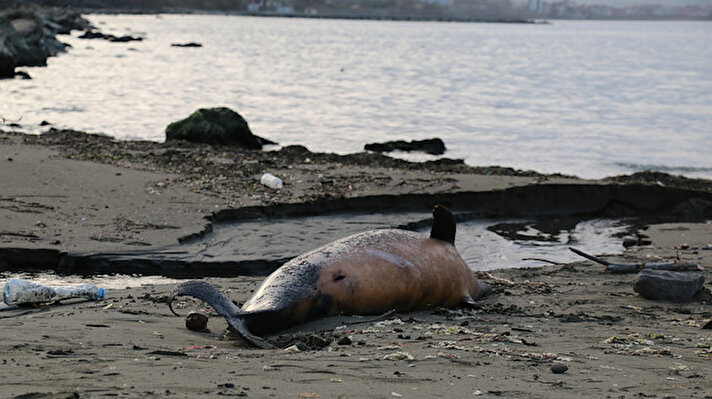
{"type": "Point", "coordinates": [18, 291]}
{"type": "Point", "coordinates": [271, 181]}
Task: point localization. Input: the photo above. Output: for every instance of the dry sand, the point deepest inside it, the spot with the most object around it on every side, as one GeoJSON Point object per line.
{"type": "Point", "coordinates": [614, 343]}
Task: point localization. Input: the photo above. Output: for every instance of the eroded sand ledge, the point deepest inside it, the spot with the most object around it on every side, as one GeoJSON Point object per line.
{"type": "Point", "coordinates": [144, 195]}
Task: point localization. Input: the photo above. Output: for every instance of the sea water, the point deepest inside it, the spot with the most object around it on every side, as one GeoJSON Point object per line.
{"type": "Point", "coordinates": [590, 98]}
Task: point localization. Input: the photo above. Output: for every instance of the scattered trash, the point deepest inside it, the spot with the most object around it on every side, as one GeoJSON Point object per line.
{"type": "Point", "coordinates": [18, 291]}
{"type": "Point", "coordinates": [635, 267]}
{"type": "Point", "coordinates": [271, 181]}
{"type": "Point", "coordinates": [399, 356]}
{"type": "Point", "coordinates": [196, 347]}
{"type": "Point", "coordinates": [293, 348]}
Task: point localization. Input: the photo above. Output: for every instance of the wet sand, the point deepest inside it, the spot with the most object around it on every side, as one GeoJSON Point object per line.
{"type": "Point", "coordinates": [614, 343]}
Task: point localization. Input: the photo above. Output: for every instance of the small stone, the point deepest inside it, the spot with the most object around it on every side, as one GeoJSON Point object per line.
{"type": "Point", "coordinates": [196, 321]}
{"type": "Point", "coordinates": [229, 385]}
{"type": "Point", "coordinates": [559, 368]}
{"type": "Point", "coordinates": [344, 341]}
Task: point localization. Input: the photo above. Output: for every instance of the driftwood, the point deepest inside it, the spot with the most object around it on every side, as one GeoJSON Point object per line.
{"type": "Point", "coordinates": [636, 267]}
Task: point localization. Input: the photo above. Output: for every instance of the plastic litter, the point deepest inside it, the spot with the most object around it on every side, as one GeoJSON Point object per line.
{"type": "Point", "coordinates": [18, 291]}
{"type": "Point", "coordinates": [271, 181]}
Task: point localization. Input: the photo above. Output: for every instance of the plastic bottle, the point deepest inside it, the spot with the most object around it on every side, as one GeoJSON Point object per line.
{"type": "Point", "coordinates": [18, 291]}
{"type": "Point", "coordinates": [271, 181]}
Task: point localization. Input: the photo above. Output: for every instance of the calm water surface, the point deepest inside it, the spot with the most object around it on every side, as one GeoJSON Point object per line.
{"type": "Point", "coordinates": [590, 98]}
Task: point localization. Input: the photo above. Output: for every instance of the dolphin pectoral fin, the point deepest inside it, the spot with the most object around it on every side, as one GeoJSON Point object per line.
{"type": "Point", "coordinates": [469, 302]}
{"type": "Point", "coordinates": [482, 291]}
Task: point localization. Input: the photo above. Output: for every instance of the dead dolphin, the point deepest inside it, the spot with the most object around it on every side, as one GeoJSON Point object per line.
{"type": "Point", "coordinates": [366, 273]}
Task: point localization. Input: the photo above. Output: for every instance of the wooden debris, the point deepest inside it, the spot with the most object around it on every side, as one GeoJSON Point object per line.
{"type": "Point", "coordinates": [636, 267]}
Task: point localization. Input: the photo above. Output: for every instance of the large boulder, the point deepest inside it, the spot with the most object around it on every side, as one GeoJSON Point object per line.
{"type": "Point", "coordinates": [221, 126]}
{"type": "Point", "coordinates": [668, 285]}
{"type": "Point", "coordinates": [7, 61]}
{"type": "Point", "coordinates": [28, 36]}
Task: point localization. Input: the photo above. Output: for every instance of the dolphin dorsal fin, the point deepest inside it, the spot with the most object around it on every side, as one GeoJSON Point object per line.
{"type": "Point", "coordinates": [443, 224]}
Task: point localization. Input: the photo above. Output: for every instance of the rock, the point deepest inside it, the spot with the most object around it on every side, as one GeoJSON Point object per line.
{"type": "Point", "coordinates": [7, 60]}
{"type": "Point", "coordinates": [189, 44]}
{"type": "Point", "coordinates": [92, 34]}
{"type": "Point", "coordinates": [559, 368]}
{"type": "Point", "coordinates": [668, 285]}
{"type": "Point", "coordinates": [124, 39]}
{"type": "Point", "coordinates": [344, 341]}
{"type": "Point", "coordinates": [28, 36]}
{"type": "Point", "coordinates": [221, 126]}
{"type": "Point", "coordinates": [431, 146]}
{"type": "Point", "coordinates": [196, 321]}
{"type": "Point", "coordinates": [23, 75]}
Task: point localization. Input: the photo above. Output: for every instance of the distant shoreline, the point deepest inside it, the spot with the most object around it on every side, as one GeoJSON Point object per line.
{"type": "Point", "coordinates": [544, 20]}
{"type": "Point", "coordinates": [312, 16]}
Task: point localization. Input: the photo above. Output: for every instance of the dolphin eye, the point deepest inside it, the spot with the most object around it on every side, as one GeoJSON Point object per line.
{"type": "Point", "coordinates": [339, 276]}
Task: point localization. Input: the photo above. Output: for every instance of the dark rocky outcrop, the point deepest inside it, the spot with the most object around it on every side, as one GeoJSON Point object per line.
{"type": "Point", "coordinates": [218, 126]}
{"type": "Point", "coordinates": [28, 36]}
{"type": "Point", "coordinates": [92, 34]}
{"type": "Point", "coordinates": [431, 146]}
{"type": "Point", "coordinates": [189, 44]}
{"type": "Point", "coordinates": [668, 285]}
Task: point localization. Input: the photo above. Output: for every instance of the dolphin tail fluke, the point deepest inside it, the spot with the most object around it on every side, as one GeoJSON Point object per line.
{"type": "Point", "coordinates": [222, 304]}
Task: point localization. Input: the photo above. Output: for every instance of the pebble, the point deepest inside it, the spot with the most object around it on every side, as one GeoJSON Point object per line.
{"type": "Point", "coordinates": [559, 368]}
{"type": "Point", "coordinates": [196, 321]}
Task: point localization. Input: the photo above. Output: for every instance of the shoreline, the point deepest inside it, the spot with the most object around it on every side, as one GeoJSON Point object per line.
{"type": "Point", "coordinates": [539, 20]}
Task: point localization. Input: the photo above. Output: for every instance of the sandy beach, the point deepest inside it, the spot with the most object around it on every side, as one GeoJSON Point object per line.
{"type": "Point", "coordinates": [70, 192]}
